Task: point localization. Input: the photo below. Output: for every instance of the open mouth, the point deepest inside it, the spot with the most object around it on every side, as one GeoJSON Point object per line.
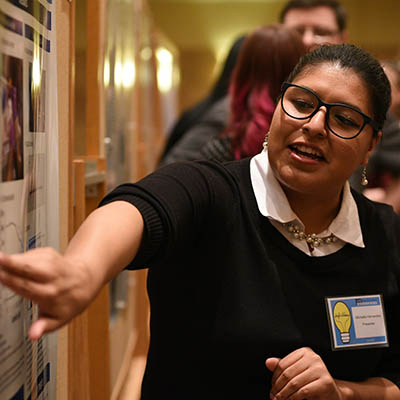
{"type": "Point", "coordinates": [305, 151]}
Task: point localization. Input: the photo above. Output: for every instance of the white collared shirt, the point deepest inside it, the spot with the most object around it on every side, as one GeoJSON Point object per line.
{"type": "Point", "coordinates": [273, 204]}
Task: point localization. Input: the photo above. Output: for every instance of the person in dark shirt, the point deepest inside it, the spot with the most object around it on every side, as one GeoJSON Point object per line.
{"type": "Point", "coordinates": [192, 116]}
{"type": "Point", "coordinates": [384, 167]}
{"type": "Point", "coordinates": [268, 276]}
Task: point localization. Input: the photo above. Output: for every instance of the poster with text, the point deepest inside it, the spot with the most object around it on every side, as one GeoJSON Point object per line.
{"type": "Point", "coordinates": [28, 183]}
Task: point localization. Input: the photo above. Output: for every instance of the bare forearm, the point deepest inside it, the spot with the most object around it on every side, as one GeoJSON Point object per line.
{"type": "Point", "coordinates": [371, 389]}
{"type": "Point", "coordinates": [107, 240]}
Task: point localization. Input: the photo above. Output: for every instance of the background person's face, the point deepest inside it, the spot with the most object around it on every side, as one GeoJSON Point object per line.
{"type": "Point", "coordinates": [317, 26]}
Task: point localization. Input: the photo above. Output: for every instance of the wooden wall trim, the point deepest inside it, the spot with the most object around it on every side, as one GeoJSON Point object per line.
{"type": "Point", "coordinates": [78, 346]}
{"type": "Point", "coordinates": [65, 54]}
{"type": "Point", "coordinates": [71, 111]}
{"type": "Point", "coordinates": [94, 75]}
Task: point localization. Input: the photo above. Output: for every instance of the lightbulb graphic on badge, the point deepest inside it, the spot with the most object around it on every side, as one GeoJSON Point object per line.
{"type": "Point", "coordinates": [342, 318]}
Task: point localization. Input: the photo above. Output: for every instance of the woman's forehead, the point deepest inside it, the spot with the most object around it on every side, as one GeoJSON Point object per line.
{"type": "Point", "coordinates": [322, 68]}
{"type": "Point", "coordinates": [334, 81]}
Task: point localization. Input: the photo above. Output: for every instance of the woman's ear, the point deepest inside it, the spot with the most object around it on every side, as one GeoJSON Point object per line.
{"type": "Point", "coordinates": [374, 141]}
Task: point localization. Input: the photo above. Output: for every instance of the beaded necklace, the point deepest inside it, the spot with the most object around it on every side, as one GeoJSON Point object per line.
{"type": "Point", "coordinates": [312, 239]}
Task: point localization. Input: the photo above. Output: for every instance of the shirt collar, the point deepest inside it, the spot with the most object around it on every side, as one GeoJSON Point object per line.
{"type": "Point", "coordinates": [273, 203]}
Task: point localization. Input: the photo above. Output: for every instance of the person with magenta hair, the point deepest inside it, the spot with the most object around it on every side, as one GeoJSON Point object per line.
{"type": "Point", "coordinates": [268, 277]}
{"type": "Point", "coordinates": [267, 57]}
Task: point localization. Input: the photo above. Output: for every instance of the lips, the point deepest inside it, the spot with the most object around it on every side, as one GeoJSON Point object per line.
{"type": "Point", "coordinates": [304, 150]}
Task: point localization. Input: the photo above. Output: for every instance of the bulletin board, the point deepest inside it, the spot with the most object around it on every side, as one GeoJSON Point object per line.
{"type": "Point", "coordinates": [28, 183]}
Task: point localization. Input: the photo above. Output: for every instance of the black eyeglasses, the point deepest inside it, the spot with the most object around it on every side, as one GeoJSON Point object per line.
{"type": "Point", "coordinates": [342, 120]}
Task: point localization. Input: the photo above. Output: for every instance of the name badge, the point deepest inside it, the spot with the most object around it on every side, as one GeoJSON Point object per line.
{"type": "Point", "coordinates": [357, 321]}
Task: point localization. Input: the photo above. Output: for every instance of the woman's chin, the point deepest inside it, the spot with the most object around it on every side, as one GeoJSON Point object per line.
{"type": "Point", "coordinates": [305, 182]}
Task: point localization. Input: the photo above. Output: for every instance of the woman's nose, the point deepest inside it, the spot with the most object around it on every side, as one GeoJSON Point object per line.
{"type": "Point", "coordinates": [316, 125]}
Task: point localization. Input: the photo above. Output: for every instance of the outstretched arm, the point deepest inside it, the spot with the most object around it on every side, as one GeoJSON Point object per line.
{"type": "Point", "coordinates": [64, 285]}
{"type": "Point", "coordinates": [303, 375]}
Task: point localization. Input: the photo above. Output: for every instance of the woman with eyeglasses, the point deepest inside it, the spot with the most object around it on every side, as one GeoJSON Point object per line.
{"type": "Point", "coordinates": [268, 276]}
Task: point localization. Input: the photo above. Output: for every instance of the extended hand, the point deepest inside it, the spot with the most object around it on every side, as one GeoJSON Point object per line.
{"type": "Point", "coordinates": [302, 375]}
{"type": "Point", "coordinates": [61, 287]}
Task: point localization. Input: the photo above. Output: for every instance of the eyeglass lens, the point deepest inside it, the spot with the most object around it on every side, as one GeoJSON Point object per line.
{"type": "Point", "coordinates": [343, 121]}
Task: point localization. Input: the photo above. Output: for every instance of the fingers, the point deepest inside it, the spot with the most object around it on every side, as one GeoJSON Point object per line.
{"type": "Point", "coordinates": [296, 387]}
{"type": "Point", "coordinates": [43, 325]}
{"type": "Point", "coordinates": [272, 363]}
{"type": "Point", "coordinates": [302, 374]}
{"type": "Point", "coordinates": [24, 287]}
{"type": "Point", "coordinates": [293, 358]}
{"type": "Point", "coordinates": [26, 265]}
{"type": "Point", "coordinates": [288, 367]}
{"type": "Point", "coordinates": [19, 285]}
{"type": "Point", "coordinates": [290, 380]}
{"type": "Point", "coordinates": [311, 390]}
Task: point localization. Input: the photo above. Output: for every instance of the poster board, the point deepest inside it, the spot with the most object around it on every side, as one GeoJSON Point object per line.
{"type": "Point", "coordinates": [28, 183]}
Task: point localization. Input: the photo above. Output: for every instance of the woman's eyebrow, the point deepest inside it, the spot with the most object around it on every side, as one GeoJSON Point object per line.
{"type": "Point", "coordinates": [336, 102]}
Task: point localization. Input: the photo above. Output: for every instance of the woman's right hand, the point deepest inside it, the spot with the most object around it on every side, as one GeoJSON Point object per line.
{"type": "Point", "coordinates": [61, 287]}
{"type": "Point", "coordinates": [64, 285]}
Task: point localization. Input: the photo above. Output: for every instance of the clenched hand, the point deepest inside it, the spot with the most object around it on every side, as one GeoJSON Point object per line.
{"type": "Point", "coordinates": [302, 375]}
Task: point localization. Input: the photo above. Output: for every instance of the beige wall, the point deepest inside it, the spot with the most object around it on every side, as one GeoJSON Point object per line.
{"type": "Point", "coordinates": [197, 67]}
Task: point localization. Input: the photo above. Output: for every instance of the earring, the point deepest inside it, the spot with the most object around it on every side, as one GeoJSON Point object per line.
{"type": "Point", "coordinates": [265, 143]}
{"type": "Point", "coordinates": [364, 180]}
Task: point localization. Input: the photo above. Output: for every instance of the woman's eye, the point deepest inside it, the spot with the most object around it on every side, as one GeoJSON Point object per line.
{"type": "Point", "coordinates": [343, 120]}
{"type": "Point", "coordinates": [302, 104]}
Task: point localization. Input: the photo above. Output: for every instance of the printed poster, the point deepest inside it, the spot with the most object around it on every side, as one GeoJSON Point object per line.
{"type": "Point", "coordinates": [28, 183]}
